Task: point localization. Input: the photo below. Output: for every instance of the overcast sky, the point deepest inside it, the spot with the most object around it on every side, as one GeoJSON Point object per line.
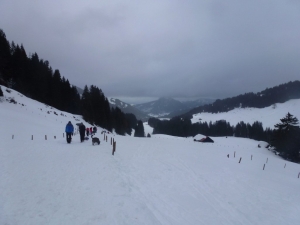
{"type": "Point", "coordinates": [138, 49]}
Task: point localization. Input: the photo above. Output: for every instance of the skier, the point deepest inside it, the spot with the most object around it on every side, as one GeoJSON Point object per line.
{"type": "Point", "coordinates": [82, 131]}
{"type": "Point", "coordinates": [69, 131]}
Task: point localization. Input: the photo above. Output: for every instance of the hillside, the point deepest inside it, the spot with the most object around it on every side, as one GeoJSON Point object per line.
{"type": "Point", "coordinates": [127, 108]}
{"type": "Point", "coordinates": [160, 107]}
{"type": "Point", "coordinates": [157, 180]}
{"type": "Point", "coordinates": [268, 97]}
{"type": "Point", "coordinates": [169, 107]}
{"type": "Point", "coordinates": [269, 116]}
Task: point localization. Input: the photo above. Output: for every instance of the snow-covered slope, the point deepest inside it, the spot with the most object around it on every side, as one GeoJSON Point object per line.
{"type": "Point", "coordinates": [269, 116]}
{"type": "Point", "coordinates": [158, 180]}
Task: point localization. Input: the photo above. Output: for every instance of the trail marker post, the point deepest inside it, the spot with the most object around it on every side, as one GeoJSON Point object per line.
{"type": "Point", "coordinates": [114, 148]}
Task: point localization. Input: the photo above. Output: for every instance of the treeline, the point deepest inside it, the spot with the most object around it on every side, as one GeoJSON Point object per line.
{"type": "Point", "coordinates": [35, 78]}
{"type": "Point", "coordinates": [268, 97]}
{"type": "Point", "coordinates": [95, 109]}
{"type": "Point", "coordinates": [183, 127]}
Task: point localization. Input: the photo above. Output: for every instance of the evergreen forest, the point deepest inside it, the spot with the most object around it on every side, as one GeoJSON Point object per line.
{"type": "Point", "coordinates": [34, 77]}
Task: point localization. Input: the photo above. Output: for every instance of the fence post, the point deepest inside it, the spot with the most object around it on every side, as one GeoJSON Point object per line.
{"type": "Point", "coordinates": [54, 137]}
{"type": "Point", "coordinates": [12, 136]}
{"type": "Point", "coordinates": [114, 146]}
{"type": "Point", "coordinates": [264, 166]}
{"type": "Point", "coordinates": [45, 137]}
{"type": "Point", "coordinates": [240, 160]}
{"type": "Point", "coordinates": [31, 137]}
{"type": "Point", "coordinates": [234, 154]}
{"type": "Point", "coordinates": [298, 175]}
{"type": "Point", "coordinates": [267, 160]}
{"type": "Point", "coordinates": [63, 134]}
{"type": "Point", "coordinates": [284, 165]}
{"type": "Point", "coordinates": [251, 157]}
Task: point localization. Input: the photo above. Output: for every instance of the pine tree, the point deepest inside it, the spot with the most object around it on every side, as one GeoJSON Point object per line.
{"type": "Point", "coordinates": [241, 130]}
{"type": "Point", "coordinates": [286, 137]}
{"type": "Point", "coordinates": [4, 55]}
{"type": "Point", "coordinates": [287, 123]}
{"type": "Point", "coordinates": [139, 130]}
{"type": "Point", "coordinates": [1, 92]}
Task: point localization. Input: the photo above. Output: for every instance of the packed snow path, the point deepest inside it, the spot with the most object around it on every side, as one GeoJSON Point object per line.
{"type": "Point", "coordinates": [159, 180]}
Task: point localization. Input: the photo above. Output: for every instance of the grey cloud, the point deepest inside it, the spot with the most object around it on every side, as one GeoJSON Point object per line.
{"type": "Point", "coordinates": [162, 48]}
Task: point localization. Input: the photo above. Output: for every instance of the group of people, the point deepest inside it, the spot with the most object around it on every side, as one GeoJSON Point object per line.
{"type": "Point", "coordinates": [91, 131]}
{"type": "Point", "coordinates": [82, 130]}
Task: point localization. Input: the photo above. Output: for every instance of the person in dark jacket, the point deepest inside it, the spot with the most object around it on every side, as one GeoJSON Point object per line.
{"type": "Point", "coordinates": [69, 131]}
{"type": "Point", "coordinates": [94, 130]}
{"type": "Point", "coordinates": [81, 131]}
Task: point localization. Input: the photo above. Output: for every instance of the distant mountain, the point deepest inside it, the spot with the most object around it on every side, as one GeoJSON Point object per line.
{"type": "Point", "coordinates": [160, 107]}
{"type": "Point", "coordinates": [127, 108]}
{"type": "Point", "coordinates": [169, 107]}
{"type": "Point", "coordinates": [198, 102]}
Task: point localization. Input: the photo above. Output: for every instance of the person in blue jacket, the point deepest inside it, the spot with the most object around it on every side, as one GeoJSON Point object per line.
{"type": "Point", "coordinates": [69, 131]}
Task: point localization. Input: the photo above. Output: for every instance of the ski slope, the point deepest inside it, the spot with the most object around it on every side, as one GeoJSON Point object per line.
{"type": "Point", "coordinates": [159, 180]}
{"type": "Point", "coordinates": [269, 116]}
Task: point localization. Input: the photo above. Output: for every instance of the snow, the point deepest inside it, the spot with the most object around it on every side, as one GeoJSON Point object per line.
{"type": "Point", "coordinates": [158, 180]}
{"type": "Point", "coordinates": [269, 116]}
{"type": "Point", "coordinates": [121, 105]}
{"type": "Point", "coordinates": [112, 101]}
{"type": "Point", "coordinates": [158, 115]}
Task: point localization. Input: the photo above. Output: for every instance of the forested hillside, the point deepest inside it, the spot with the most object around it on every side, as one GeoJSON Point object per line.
{"type": "Point", "coordinates": [35, 78]}
{"type": "Point", "coordinates": [269, 96]}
